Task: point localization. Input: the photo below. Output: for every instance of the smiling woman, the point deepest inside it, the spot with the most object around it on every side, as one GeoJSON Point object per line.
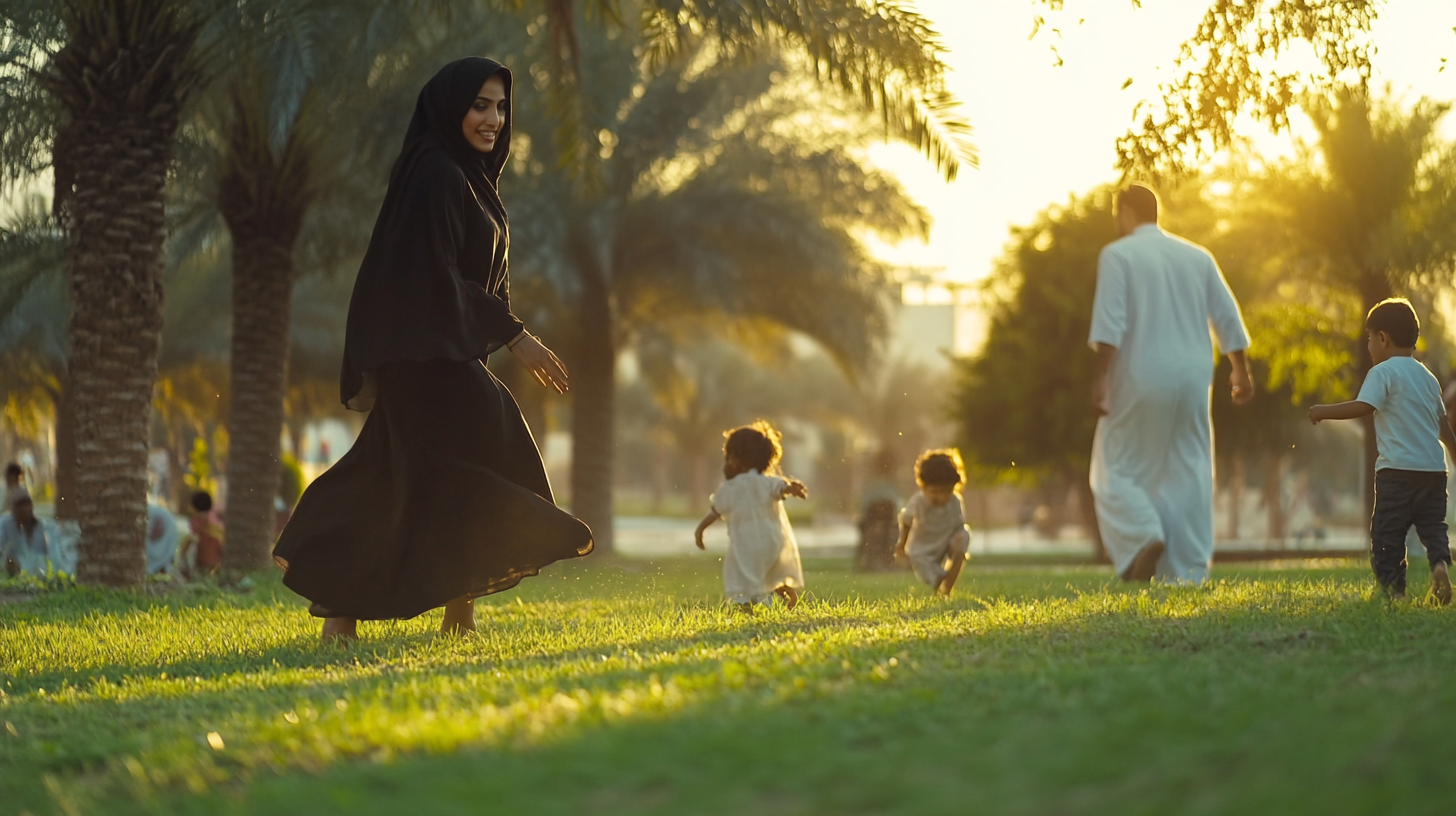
{"type": "Point", "coordinates": [443, 498]}
{"type": "Point", "coordinates": [483, 122]}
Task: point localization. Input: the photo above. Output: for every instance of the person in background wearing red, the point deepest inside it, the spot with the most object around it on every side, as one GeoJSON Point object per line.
{"type": "Point", "coordinates": [206, 537]}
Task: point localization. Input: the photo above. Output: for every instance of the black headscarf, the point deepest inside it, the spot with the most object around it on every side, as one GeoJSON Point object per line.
{"type": "Point", "coordinates": [434, 282]}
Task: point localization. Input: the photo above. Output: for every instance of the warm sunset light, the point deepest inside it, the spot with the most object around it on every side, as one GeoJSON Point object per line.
{"type": "Point", "coordinates": [1047, 110]}
{"type": "Point", "coordinates": [727, 407]}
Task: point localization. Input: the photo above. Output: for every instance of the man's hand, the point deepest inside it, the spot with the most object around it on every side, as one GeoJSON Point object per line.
{"type": "Point", "coordinates": [698, 539]}
{"type": "Point", "coordinates": [1317, 414]}
{"type": "Point", "coordinates": [796, 489]}
{"type": "Point", "coordinates": [1099, 396]}
{"type": "Point", "coordinates": [541, 362]}
{"type": "Point", "coordinates": [1242, 385]}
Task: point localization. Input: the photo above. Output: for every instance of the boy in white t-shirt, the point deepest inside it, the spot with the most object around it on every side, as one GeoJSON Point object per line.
{"type": "Point", "coordinates": [1410, 471]}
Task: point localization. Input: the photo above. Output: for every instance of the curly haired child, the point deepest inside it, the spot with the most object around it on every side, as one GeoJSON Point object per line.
{"type": "Point", "coordinates": [933, 532]}
{"type": "Point", "coordinates": [763, 558]}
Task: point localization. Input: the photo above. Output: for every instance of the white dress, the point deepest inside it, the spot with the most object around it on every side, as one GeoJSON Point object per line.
{"type": "Point", "coordinates": [1152, 456]}
{"type": "Point", "coordinates": [762, 554]}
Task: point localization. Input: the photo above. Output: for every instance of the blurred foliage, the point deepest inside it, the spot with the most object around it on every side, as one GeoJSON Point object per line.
{"type": "Point", "coordinates": [1366, 211]}
{"type": "Point", "coordinates": [1021, 404]}
{"type": "Point", "coordinates": [200, 469]}
{"type": "Point", "coordinates": [291, 481]}
{"type": "Point", "coordinates": [1231, 68]}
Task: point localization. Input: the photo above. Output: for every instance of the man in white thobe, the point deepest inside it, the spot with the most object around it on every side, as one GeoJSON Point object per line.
{"type": "Point", "coordinates": [1152, 455]}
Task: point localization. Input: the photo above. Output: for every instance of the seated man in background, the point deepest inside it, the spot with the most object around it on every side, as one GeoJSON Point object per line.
{"type": "Point", "coordinates": [14, 475]}
{"type": "Point", "coordinates": [23, 544]}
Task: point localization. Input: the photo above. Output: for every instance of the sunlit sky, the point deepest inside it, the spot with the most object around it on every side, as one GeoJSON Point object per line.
{"type": "Point", "coordinates": [1044, 131]}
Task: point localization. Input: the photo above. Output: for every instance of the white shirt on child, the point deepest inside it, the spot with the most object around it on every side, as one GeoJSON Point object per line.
{"type": "Point", "coordinates": [762, 554]}
{"type": "Point", "coordinates": [1408, 415]}
{"type": "Point", "coordinates": [931, 526]}
{"type": "Point", "coordinates": [932, 535]}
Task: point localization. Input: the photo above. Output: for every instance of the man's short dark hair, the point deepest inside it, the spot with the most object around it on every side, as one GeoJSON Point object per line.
{"type": "Point", "coordinates": [13, 469]}
{"type": "Point", "coordinates": [202, 501]}
{"type": "Point", "coordinates": [1397, 318]}
{"type": "Point", "coordinates": [1141, 200]}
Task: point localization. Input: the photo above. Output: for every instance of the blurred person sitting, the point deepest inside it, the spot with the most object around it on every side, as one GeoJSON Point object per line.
{"type": "Point", "coordinates": [877, 536]}
{"type": "Point", "coordinates": [933, 532]}
{"type": "Point", "coordinates": [23, 544]}
{"type": "Point", "coordinates": [202, 549]}
{"type": "Point", "coordinates": [14, 487]}
{"type": "Point", "coordinates": [162, 538]}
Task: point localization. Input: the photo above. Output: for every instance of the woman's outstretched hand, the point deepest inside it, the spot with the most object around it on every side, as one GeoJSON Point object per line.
{"type": "Point", "coordinates": [543, 365]}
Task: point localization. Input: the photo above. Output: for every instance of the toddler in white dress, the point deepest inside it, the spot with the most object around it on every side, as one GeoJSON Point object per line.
{"type": "Point", "coordinates": [763, 558]}
{"type": "Point", "coordinates": [933, 532]}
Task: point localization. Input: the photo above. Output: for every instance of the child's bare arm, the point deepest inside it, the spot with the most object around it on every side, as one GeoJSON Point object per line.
{"type": "Point", "coordinates": [904, 539]}
{"type": "Point", "coordinates": [796, 488]}
{"type": "Point", "coordinates": [1354, 409]}
{"type": "Point", "coordinates": [703, 526]}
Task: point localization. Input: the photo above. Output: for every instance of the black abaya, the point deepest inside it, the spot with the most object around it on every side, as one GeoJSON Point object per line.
{"type": "Point", "coordinates": [443, 496]}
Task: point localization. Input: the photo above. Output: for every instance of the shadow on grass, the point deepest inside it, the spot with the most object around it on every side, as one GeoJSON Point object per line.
{"type": "Point", "coordinates": [923, 707]}
{"type": "Point", "coordinates": [1016, 721]}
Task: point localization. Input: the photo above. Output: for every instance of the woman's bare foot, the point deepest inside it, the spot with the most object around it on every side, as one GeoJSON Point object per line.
{"type": "Point", "coordinates": [342, 631]}
{"type": "Point", "coordinates": [789, 594]}
{"type": "Point", "coordinates": [459, 617]}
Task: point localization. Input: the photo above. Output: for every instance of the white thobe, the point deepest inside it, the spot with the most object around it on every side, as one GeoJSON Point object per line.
{"type": "Point", "coordinates": [1152, 456]}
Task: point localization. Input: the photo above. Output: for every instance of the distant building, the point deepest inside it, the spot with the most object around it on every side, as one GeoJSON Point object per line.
{"type": "Point", "coordinates": [934, 319]}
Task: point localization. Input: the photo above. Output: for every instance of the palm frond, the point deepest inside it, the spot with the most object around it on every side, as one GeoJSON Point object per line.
{"type": "Point", "coordinates": [32, 250]}
{"type": "Point", "coordinates": [883, 53]}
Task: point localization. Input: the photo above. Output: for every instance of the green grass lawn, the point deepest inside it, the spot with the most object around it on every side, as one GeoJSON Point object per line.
{"type": "Point", "coordinates": [630, 688]}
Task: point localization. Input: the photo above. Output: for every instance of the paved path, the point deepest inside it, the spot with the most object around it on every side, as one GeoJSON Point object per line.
{"type": "Point", "coordinates": [653, 537]}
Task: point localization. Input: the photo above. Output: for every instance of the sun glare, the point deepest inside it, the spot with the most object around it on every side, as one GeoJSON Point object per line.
{"type": "Point", "coordinates": [1047, 109]}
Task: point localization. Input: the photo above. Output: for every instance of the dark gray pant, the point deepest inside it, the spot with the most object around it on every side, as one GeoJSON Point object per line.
{"type": "Point", "coordinates": [1406, 498]}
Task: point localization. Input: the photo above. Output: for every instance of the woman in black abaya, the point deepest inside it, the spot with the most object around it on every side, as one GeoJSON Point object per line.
{"type": "Point", "coordinates": [443, 497]}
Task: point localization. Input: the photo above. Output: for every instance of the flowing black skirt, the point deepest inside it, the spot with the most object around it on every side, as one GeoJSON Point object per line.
{"type": "Point", "coordinates": [443, 496]}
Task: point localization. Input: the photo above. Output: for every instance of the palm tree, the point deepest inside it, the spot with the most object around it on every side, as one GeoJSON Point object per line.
{"type": "Point", "coordinates": [33, 308]}
{"type": "Point", "coordinates": [295, 122]}
{"type": "Point", "coordinates": [886, 55]}
{"type": "Point", "coordinates": [122, 79]}
{"type": "Point", "coordinates": [705, 200]}
{"type": "Point", "coordinates": [1369, 209]}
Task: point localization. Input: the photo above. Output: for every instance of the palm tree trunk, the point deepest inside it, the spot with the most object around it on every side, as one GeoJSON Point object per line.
{"type": "Point", "coordinates": [65, 451]}
{"type": "Point", "coordinates": [1236, 501]}
{"type": "Point", "coordinates": [121, 80]}
{"type": "Point", "coordinates": [593, 412]}
{"type": "Point", "coordinates": [117, 231]}
{"type": "Point", "coordinates": [1274, 499]}
{"type": "Point", "coordinates": [262, 286]}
